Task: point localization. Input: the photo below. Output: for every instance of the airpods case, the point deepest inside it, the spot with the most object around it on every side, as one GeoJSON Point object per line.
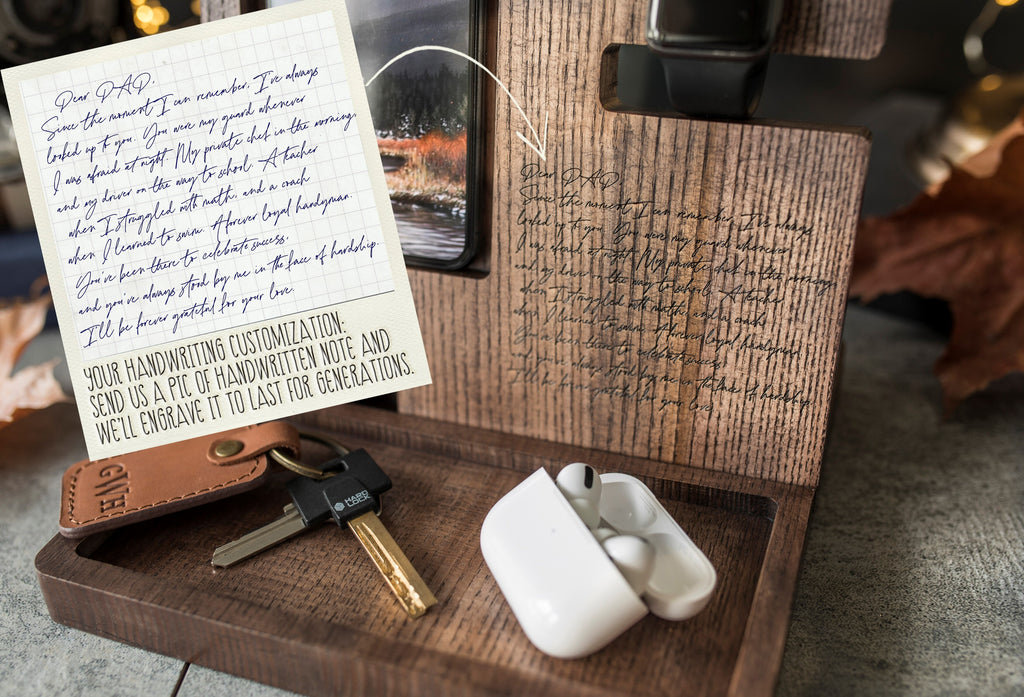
{"type": "Point", "coordinates": [566, 593]}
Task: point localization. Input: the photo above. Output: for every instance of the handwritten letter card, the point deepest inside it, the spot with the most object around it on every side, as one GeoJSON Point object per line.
{"type": "Point", "coordinates": [216, 227]}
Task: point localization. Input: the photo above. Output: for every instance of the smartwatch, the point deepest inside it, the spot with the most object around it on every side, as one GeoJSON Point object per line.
{"type": "Point", "coordinates": [714, 52]}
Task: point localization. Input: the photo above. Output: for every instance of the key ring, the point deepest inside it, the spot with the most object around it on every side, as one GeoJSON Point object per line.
{"type": "Point", "coordinates": [303, 469]}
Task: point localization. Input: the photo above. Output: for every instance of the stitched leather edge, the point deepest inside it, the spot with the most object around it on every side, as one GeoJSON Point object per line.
{"type": "Point", "coordinates": [121, 512]}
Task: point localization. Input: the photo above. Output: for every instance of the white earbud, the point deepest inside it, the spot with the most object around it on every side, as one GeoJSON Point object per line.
{"type": "Point", "coordinates": [634, 557]}
{"type": "Point", "coordinates": [580, 484]}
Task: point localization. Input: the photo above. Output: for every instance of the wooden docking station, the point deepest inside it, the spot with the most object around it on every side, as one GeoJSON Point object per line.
{"type": "Point", "coordinates": [661, 296]}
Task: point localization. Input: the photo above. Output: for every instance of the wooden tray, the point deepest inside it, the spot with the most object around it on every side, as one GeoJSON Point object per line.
{"type": "Point", "coordinates": [692, 344]}
{"type": "Point", "coordinates": [313, 616]}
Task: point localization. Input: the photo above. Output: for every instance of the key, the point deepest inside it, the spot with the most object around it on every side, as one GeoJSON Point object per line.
{"type": "Point", "coordinates": [352, 497]}
{"type": "Point", "coordinates": [359, 473]}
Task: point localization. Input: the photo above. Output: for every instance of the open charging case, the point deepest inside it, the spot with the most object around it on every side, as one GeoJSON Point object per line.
{"type": "Point", "coordinates": [564, 590]}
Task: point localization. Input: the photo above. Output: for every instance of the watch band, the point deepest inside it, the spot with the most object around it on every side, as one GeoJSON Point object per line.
{"type": "Point", "coordinates": [714, 88]}
{"type": "Point", "coordinates": [104, 494]}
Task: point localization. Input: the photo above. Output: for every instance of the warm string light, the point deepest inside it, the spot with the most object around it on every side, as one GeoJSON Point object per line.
{"type": "Point", "coordinates": [150, 15]}
{"type": "Point", "coordinates": [990, 83]}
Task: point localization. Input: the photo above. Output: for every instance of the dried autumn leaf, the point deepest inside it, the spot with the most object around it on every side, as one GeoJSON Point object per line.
{"type": "Point", "coordinates": [985, 162]}
{"type": "Point", "coordinates": [32, 387]}
{"type": "Point", "coordinates": [964, 244]}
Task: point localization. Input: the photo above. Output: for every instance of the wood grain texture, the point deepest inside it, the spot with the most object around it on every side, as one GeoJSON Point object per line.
{"type": "Point", "coordinates": [833, 28]}
{"type": "Point", "coordinates": [825, 28]}
{"type": "Point", "coordinates": [312, 615]}
{"type": "Point", "coordinates": [661, 288]}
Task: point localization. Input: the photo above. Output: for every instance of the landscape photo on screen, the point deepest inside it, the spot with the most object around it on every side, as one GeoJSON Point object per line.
{"type": "Point", "coordinates": [421, 108]}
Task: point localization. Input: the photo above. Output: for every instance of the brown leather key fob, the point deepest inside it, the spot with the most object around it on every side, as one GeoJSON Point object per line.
{"type": "Point", "coordinates": [99, 495]}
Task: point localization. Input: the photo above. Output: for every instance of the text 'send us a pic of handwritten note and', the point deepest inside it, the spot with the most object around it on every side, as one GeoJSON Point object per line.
{"type": "Point", "coordinates": [216, 227]}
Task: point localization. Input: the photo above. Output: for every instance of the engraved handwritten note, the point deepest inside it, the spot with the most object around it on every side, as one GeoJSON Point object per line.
{"type": "Point", "coordinates": [689, 323]}
{"type": "Point", "coordinates": [683, 289]}
{"type": "Point", "coordinates": [216, 227]}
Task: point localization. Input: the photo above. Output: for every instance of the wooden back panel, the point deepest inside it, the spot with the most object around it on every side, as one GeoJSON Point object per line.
{"type": "Point", "coordinates": [663, 288]}
{"type": "Point", "coordinates": [833, 28]}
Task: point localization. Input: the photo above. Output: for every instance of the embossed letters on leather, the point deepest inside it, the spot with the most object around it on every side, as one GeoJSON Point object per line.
{"type": "Point", "coordinates": [99, 495]}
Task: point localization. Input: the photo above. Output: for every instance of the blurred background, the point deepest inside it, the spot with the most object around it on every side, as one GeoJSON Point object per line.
{"type": "Point", "coordinates": [951, 73]}
{"type": "Point", "coordinates": [32, 30]}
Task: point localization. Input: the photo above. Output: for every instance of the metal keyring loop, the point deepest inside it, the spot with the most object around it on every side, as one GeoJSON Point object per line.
{"type": "Point", "coordinates": [303, 469]}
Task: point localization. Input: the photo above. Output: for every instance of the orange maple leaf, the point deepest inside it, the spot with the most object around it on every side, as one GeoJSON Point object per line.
{"type": "Point", "coordinates": [964, 244]}
{"type": "Point", "coordinates": [32, 387]}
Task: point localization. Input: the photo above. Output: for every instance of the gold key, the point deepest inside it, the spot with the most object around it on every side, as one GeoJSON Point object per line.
{"type": "Point", "coordinates": [351, 496]}
{"type": "Point", "coordinates": [405, 583]}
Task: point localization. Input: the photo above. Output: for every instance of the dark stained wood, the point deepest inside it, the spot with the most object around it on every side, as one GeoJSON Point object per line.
{"type": "Point", "coordinates": [312, 615]}
{"type": "Point", "coordinates": [833, 28]}
{"type": "Point", "coordinates": [662, 288]}
{"type": "Point", "coordinates": [827, 28]}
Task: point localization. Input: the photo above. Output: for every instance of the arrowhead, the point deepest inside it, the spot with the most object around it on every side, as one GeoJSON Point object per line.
{"type": "Point", "coordinates": [541, 147]}
{"type": "Point", "coordinates": [537, 145]}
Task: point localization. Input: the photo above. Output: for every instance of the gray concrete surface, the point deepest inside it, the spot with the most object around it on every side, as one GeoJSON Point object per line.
{"type": "Point", "coordinates": [912, 581]}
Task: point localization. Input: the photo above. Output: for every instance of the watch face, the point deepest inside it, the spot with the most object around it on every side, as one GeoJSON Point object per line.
{"type": "Point", "coordinates": [736, 25]}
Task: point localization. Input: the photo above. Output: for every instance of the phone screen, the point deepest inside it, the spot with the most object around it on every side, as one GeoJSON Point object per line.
{"type": "Point", "coordinates": [424, 113]}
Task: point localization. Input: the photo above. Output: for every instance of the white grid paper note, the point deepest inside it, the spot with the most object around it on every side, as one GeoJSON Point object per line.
{"type": "Point", "coordinates": [214, 196]}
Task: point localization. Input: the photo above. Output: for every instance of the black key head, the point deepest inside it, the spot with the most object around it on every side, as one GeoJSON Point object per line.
{"type": "Point", "coordinates": [354, 490]}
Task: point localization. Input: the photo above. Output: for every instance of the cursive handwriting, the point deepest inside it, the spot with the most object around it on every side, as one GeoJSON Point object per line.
{"type": "Point", "coordinates": [627, 297]}
{"type": "Point", "coordinates": [183, 199]}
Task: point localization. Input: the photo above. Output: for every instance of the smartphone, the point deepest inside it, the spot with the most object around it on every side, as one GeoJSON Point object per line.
{"type": "Point", "coordinates": [427, 115]}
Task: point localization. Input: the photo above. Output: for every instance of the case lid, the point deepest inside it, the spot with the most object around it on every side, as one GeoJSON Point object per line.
{"type": "Point", "coordinates": [566, 593]}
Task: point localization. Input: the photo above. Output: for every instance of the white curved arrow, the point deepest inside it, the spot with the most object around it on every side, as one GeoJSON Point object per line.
{"type": "Point", "coordinates": [541, 145]}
